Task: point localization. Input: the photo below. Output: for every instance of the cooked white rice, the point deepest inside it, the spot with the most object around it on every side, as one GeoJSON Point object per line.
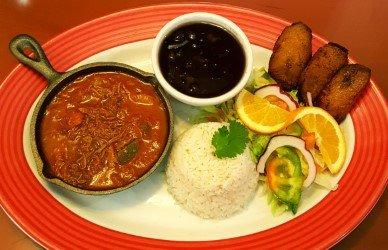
{"type": "Point", "coordinates": [203, 184]}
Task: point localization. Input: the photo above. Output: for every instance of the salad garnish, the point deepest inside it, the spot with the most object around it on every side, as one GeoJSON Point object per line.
{"type": "Point", "coordinates": [289, 158]}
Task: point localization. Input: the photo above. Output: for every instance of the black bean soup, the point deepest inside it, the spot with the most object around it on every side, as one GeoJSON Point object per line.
{"type": "Point", "coordinates": [201, 60]}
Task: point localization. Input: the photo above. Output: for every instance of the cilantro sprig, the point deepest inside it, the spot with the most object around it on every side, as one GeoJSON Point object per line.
{"type": "Point", "coordinates": [230, 142]}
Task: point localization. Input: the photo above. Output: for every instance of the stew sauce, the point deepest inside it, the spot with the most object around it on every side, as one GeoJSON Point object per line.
{"type": "Point", "coordinates": [103, 131]}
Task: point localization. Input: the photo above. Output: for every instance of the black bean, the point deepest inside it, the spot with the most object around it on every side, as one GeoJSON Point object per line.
{"type": "Point", "coordinates": [171, 56]}
{"type": "Point", "coordinates": [179, 37]}
{"type": "Point", "coordinates": [191, 35]}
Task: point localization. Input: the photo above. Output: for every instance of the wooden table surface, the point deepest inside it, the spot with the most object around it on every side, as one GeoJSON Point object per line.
{"type": "Point", "coordinates": [359, 25]}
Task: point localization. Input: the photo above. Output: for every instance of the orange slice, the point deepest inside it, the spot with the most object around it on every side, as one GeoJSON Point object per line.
{"type": "Point", "coordinates": [259, 114]}
{"type": "Point", "coordinates": [328, 135]}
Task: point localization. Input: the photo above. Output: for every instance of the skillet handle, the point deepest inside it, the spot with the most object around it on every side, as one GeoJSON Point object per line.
{"type": "Point", "coordinates": [38, 62]}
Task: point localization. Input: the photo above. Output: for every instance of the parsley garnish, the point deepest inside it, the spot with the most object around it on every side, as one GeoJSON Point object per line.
{"type": "Point", "coordinates": [232, 142]}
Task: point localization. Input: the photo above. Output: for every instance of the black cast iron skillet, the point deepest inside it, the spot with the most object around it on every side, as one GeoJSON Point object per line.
{"type": "Point", "coordinates": [57, 81]}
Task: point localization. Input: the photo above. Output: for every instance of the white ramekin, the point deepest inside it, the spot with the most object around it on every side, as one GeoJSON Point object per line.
{"type": "Point", "coordinates": [202, 17]}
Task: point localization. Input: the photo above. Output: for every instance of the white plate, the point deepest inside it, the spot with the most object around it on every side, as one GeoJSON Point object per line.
{"type": "Point", "coordinates": [147, 209]}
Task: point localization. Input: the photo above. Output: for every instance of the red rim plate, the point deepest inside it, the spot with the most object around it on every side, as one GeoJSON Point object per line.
{"type": "Point", "coordinates": [54, 226]}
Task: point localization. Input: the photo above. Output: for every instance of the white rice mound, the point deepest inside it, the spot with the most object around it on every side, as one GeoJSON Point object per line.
{"type": "Point", "coordinates": [204, 184]}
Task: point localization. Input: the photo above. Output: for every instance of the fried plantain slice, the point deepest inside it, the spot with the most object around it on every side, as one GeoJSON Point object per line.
{"type": "Point", "coordinates": [339, 96]}
{"type": "Point", "coordinates": [321, 68]}
{"type": "Point", "coordinates": [291, 53]}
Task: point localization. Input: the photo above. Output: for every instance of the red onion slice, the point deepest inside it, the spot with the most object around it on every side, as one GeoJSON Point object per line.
{"type": "Point", "coordinates": [309, 99]}
{"type": "Point", "coordinates": [292, 141]}
{"type": "Point", "coordinates": [274, 89]}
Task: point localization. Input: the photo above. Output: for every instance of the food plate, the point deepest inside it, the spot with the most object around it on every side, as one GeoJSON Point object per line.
{"type": "Point", "coordinates": [56, 218]}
